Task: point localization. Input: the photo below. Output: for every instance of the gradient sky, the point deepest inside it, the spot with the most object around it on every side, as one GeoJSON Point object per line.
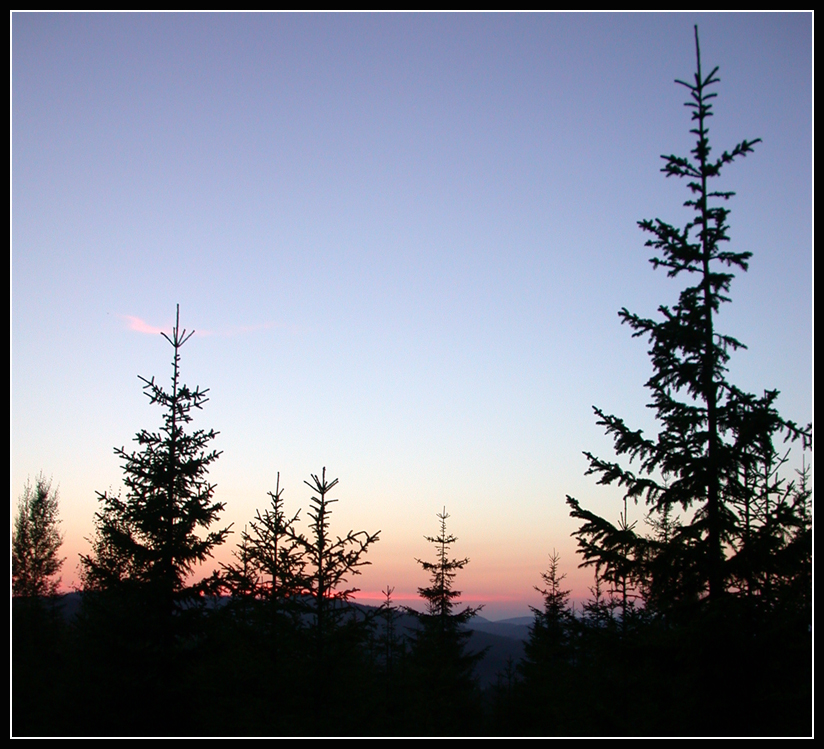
{"type": "Point", "coordinates": [403, 241]}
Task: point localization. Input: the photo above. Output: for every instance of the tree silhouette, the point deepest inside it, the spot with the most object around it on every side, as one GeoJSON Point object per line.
{"type": "Point", "coordinates": [703, 450]}
{"type": "Point", "coordinates": [391, 647]}
{"type": "Point", "coordinates": [549, 667]}
{"type": "Point", "coordinates": [151, 540]}
{"type": "Point", "coordinates": [38, 634]}
{"type": "Point", "coordinates": [390, 654]}
{"type": "Point", "coordinates": [329, 562]}
{"type": "Point", "coordinates": [551, 634]}
{"type": "Point", "coordinates": [36, 541]}
{"type": "Point", "coordinates": [269, 561]}
{"type": "Point", "coordinates": [442, 668]}
{"type": "Point", "coordinates": [721, 517]}
{"type": "Point", "coordinates": [260, 632]}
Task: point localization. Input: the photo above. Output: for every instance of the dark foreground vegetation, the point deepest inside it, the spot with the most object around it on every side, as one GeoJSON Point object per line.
{"type": "Point", "coordinates": [698, 625]}
{"type": "Point", "coordinates": [249, 669]}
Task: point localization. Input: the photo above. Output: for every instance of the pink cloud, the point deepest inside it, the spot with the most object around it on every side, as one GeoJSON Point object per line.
{"type": "Point", "coordinates": [140, 326]}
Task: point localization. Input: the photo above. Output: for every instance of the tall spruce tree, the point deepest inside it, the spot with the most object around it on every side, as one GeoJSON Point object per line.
{"type": "Point", "coordinates": [704, 448]}
{"type": "Point", "coordinates": [150, 541]}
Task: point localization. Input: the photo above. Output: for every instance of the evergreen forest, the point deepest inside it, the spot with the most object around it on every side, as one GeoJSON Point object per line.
{"type": "Point", "coordinates": [698, 623]}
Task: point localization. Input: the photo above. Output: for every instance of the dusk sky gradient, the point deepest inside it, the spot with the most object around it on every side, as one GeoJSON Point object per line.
{"type": "Point", "coordinates": [402, 240]}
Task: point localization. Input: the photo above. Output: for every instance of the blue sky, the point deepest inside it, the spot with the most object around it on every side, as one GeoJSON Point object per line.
{"type": "Point", "coordinates": [402, 240]}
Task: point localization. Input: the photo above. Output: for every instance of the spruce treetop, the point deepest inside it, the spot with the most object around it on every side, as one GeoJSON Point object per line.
{"type": "Point", "coordinates": [439, 596]}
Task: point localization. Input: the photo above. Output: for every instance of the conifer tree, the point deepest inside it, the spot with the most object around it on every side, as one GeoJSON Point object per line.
{"type": "Point", "coordinates": [150, 541]}
{"type": "Point", "coordinates": [329, 562]}
{"type": "Point", "coordinates": [242, 578]}
{"type": "Point", "coordinates": [442, 667]}
{"type": "Point", "coordinates": [440, 596]}
{"type": "Point", "coordinates": [549, 666]}
{"type": "Point", "coordinates": [794, 558]}
{"type": "Point", "coordinates": [599, 610]}
{"type": "Point", "coordinates": [261, 629]}
{"type": "Point", "coordinates": [551, 634]}
{"type": "Point", "coordinates": [390, 656]}
{"type": "Point", "coordinates": [36, 541]}
{"type": "Point", "coordinates": [38, 635]}
{"type": "Point", "coordinates": [270, 562]}
{"type": "Point", "coordinates": [770, 515]}
{"type": "Point", "coordinates": [697, 459]}
{"type": "Point", "coordinates": [292, 618]}
{"type": "Point", "coordinates": [391, 646]}
{"type": "Point", "coordinates": [334, 632]}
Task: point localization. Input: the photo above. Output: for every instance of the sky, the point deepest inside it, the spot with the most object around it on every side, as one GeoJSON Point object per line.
{"type": "Point", "coordinates": [402, 241]}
